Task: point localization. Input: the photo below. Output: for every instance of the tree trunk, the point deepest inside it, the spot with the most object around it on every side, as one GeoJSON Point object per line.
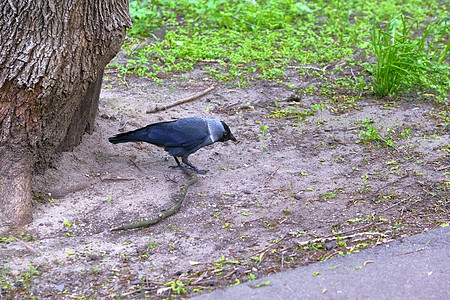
{"type": "Point", "coordinates": [52, 56]}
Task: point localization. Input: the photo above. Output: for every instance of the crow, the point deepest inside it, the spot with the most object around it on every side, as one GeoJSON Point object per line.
{"type": "Point", "coordinates": [180, 138]}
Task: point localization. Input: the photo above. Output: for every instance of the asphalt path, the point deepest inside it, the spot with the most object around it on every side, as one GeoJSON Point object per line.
{"type": "Point", "coordinates": [415, 267]}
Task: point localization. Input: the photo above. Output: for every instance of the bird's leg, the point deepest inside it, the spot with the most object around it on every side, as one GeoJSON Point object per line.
{"type": "Point", "coordinates": [186, 162]}
{"type": "Point", "coordinates": [178, 164]}
{"type": "Point", "coordinates": [188, 165]}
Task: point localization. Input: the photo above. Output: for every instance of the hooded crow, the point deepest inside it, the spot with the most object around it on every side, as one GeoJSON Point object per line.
{"type": "Point", "coordinates": [180, 138]}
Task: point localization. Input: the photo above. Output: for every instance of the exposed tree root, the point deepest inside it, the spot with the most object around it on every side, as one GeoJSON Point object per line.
{"type": "Point", "coordinates": [177, 199]}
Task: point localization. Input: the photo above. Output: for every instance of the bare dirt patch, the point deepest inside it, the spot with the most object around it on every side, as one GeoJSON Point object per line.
{"type": "Point", "coordinates": [315, 193]}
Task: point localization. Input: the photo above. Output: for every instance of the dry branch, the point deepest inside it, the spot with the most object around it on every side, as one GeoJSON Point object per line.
{"type": "Point", "coordinates": [177, 199]}
{"type": "Point", "coordinates": [182, 101]}
{"type": "Point", "coordinates": [30, 248]}
{"type": "Point", "coordinates": [63, 192]}
{"type": "Point", "coordinates": [271, 176]}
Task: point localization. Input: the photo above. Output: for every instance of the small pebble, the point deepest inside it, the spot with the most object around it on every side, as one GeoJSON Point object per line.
{"type": "Point", "coordinates": [60, 287]}
{"type": "Point", "coordinates": [330, 245]}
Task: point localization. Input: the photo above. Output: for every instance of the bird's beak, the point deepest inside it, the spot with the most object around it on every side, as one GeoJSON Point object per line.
{"type": "Point", "coordinates": [233, 138]}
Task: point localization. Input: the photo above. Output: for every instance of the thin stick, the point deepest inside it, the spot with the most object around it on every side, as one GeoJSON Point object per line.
{"type": "Point", "coordinates": [30, 248]}
{"type": "Point", "coordinates": [444, 167]}
{"type": "Point", "coordinates": [137, 291]}
{"type": "Point", "coordinates": [182, 101]}
{"type": "Point", "coordinates": [271, 176]}
{"type": "Point", "coordinates": [349, 231]}
{"type": "Point", "coordinates": [409, 252]}
{"type": "Point", "coordinates": [270, 246]}
{"type": "Point", "coordinates": [63, 192]}
{"type": "Point", "coordinates": [134, 163]}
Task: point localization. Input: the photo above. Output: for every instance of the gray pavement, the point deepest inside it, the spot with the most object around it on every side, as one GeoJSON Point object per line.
{"type": "Point", "coordinates": [416, 267]}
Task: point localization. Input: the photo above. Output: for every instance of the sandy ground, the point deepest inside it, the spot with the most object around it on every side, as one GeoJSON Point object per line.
{"type": "Point", "coordinates": [308, 191]}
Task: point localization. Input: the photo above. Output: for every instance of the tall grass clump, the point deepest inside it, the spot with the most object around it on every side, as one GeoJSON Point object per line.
{"type": "Point", "coordinates": [407, 63]}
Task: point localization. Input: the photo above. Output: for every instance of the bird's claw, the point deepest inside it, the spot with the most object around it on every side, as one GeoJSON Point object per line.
{"type": "Point", "coordinates": [201, 172]}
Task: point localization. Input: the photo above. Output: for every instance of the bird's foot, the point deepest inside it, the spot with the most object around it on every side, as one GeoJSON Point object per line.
{"type": "Point", "coordinates": [201, 172]}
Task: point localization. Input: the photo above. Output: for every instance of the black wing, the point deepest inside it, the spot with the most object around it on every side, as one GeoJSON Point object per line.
{"type": "Point", "coordinates": [187, 133]}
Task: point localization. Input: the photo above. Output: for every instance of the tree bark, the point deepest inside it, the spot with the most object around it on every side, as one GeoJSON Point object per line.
{"type": "Point", "coordinates": [52, 56]}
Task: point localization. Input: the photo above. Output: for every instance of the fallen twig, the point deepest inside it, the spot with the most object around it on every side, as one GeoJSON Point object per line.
{"type": "Point", "coordinates": [171, 179]}
{"type": "Point", "coordinates": [270, 246]}
{"type": "Point", "coordinates": [156, 109]}
{"type": "Point", "coordinates": [330, 255]}
{"type": "Point", "coordinates": [342, 129]}
{"type": "Point", "coordinates": [117, 179]}
{"type": "Point", "coordinates": [30, 248]}
{"type": "Point", "coordinates": [230, 274]}
{"type": "Point", "coordinates": [138, 291]}
{"type": "Point", "coordinates": [63, 192]}
{"type": "Point", "coordinates": [271, 176]}
{"type": "Point", "coordinates": [331, 237]}
{"type": "Point", "coordinates": [444, 168]}
{"type": "Point", "coordinates": [337, 237]}
{"type": "Point", "coordinates": [410, 252]}
{"type": "Point", "coordinates": [349, 231]}
{"type": "Point", "coordinates": [178, 199]}
{"type": "Point", "coordinates": [134, 163]}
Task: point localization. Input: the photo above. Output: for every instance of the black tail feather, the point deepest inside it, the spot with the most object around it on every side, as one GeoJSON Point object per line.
{"type": "Point", "coordinates": [131, 136]}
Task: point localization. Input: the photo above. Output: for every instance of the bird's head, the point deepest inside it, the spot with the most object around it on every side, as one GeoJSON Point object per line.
{"type": "Point", "coordinates": [227, 135]}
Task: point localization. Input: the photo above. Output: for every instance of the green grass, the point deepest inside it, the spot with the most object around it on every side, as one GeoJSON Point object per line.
{"type": "Point", "coordinates": [406, 63]}
{"type": "Point", "coordinates": [241, 41]}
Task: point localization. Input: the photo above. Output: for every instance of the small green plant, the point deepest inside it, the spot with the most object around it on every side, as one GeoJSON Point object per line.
{"type": "Point", "coordinates": [341, 242]}
{"type": "Point", "coordinates": [405, 134]}
{"type": "Point", "coordinates": [314, 246]}
{"type": "Point", "coordinates": [316, 107]}
{"type": "Point", "coordinates": [29, 275]}
{"type": "Point", "coordinates": [328, 195]}
{"type": "Point", "coordinates": [174, 229]}
{"type": "Point", "coordinates": [177, 286]}
{"type": "Point", "coordinates": [368, 135]}
{"type": "Point", "coordinates": [263, 135]}
{"type": "Point", "coordinates": [221, 262]}
{"type": "Point", "coordinates": [6, 240]}
{"type": "Point", "coordinates": [264, 283]}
